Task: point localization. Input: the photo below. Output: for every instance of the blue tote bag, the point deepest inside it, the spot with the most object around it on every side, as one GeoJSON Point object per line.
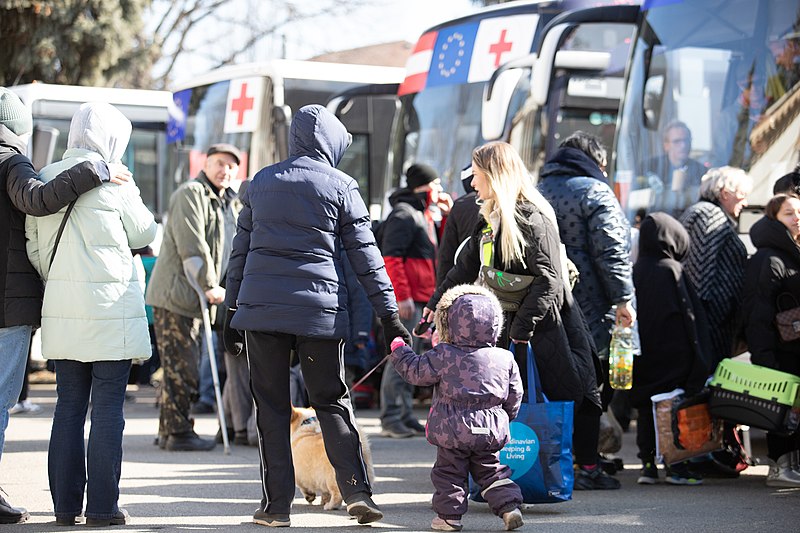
{"type": "Point", "coordinates": [540, 450]}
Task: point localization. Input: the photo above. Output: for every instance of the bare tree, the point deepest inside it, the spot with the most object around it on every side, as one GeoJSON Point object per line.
{"type": "Point", "coordinates": [222, 32]}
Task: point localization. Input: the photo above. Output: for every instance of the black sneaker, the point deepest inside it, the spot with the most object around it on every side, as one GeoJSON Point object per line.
{"type": "Point", "coordinates": [188, 442]}
{"type": "Point", "coordinates": [202, 408]}
{"type": "Point", "coordinates": [414, 426]}
{"type": "Point", "coordinates": [679, 474]}
{"type": "Point", "coordinates": [119, 519]}
{"type": "Point", "coordinates": [649, 475]}
{"type": "Point", "coordinates": [263, 518]}
{"type": "Point", "coordinates": [594, 479]}
{"type": "Point", "coordinates": [396, 430]}
{"type": "Point", "coordinates": [363, 508]}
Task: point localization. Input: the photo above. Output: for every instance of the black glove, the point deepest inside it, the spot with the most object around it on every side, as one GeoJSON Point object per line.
{"type": "Point", "coordinates": [233, 338]}
{"type": "Point", "coordinates": [392, 327]}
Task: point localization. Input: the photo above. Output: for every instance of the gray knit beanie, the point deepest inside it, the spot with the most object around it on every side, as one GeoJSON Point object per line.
{"type": "Point", "coordinates": [13, 113]}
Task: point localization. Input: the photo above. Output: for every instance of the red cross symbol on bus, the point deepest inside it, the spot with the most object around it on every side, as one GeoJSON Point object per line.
{"type": "Point", "coordinates": [241, 104]}
{"type": "Point", "coordinates": [499, 48]}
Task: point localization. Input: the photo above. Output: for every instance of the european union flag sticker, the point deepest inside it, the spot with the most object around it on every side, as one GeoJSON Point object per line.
{"type": "Point", "coordinates": [452, 55]}
{"type": "Point", "coordinates": [176, 124]}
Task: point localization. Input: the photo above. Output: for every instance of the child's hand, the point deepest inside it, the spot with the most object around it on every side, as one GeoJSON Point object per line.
{"type": "Point", "coordinates": [397, 343]}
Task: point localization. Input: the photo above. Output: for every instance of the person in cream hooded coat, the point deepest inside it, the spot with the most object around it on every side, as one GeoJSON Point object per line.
{"type": "Point", "coordinates": [93, 318]}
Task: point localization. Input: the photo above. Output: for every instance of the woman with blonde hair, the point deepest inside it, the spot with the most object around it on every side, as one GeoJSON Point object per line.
{"type": "Point", "coordinates": [517, 244]}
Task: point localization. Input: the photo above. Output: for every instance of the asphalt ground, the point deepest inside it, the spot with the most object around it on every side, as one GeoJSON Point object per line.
{"type": "Point", "coordinates": [211, 491]}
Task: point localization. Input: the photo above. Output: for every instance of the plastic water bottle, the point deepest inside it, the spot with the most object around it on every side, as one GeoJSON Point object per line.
{"type": "Point", "coordinates": [620, 358]}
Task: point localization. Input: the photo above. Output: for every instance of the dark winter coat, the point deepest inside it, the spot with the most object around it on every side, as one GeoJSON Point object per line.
{"type": "Point", "coordinates": [22, 192]}
{"type": "Point", "coordinates": [299, 217]}
{"type": "Point", "coordinates": [477, 386]}
{"type": "Point", "coordinates": [549, 316]}
{"type": "Point", "coordinates": [714, 266]}
{"type": "Point", "coordinates": [672, 327]}
{"type": "Point", "coordinates": [772, 271]}
{"type": "Point", "coordinates": [464, 216]}
{"type": "Point", "coordinates": [408, 246]}
{"type": "Point", "coordinates": [595, 232]}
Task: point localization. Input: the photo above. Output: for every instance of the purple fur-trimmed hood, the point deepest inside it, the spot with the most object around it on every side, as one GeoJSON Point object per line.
{"type": "Point", "coordinates": [469, 317]}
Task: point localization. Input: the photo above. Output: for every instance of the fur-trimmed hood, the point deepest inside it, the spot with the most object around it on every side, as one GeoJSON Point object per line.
{"type": "Point", "coordinates": [469, 316]}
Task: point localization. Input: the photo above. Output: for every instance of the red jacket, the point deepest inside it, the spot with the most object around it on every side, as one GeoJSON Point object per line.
{"type": "Point", "coordinates": [408, 244]}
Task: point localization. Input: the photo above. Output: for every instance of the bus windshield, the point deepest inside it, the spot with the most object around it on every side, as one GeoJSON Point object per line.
{"type": "Point", "coordinates": [441, 125]}
{"type": "Point", "coordinates": [710, 83]}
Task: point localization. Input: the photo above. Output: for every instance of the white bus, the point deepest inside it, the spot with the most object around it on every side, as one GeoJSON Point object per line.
{"type": "Point", "coordinates": [52, 107]}
{"type": "Point", "coordinates": [454, 64]}
{"type": "Point", "coordinates": [251, 105]}
{"type": "Point", "coordinates": [728, 69]}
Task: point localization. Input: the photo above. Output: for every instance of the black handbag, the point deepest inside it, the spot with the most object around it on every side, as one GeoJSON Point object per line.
{"type": "Point", "coordinates": [788, 320]}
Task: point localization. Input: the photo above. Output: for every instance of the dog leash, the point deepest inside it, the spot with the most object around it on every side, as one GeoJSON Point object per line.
{"type": "Point", "coordinates": [368, 374]}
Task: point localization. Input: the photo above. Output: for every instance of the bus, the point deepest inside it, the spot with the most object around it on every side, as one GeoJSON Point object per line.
{"type": "Point", "coordinates": [251, 105]}
{"type": "Point", "coordinates": [727, 69]}
{"type": "Point", "coordinates": [442, 116]}
{"type": "Point", "coordinates": [52, 107]}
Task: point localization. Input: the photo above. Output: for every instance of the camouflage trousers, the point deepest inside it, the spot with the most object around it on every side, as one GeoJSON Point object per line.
{"type": "Point", "coordinates": [178, 339]}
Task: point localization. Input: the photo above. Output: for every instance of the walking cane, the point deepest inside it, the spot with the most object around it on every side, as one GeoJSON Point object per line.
{"type": "Point", "coordinates": [191, 267]}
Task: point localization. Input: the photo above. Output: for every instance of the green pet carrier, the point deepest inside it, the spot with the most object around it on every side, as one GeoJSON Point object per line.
{"type": "Point", "coordinates": [755, 395]}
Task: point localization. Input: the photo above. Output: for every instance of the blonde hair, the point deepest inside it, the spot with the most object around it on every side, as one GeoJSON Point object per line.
{"type": "Point", "coordinates": [509, 182]}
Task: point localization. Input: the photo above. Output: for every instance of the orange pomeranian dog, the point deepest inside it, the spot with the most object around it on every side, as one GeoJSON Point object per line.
{"type": "Point", "coordinates": [313, 472]}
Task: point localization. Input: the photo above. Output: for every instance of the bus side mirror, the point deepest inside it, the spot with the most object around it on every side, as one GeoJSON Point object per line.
{"type": "Point", "coordinates": [494, 110]}
{"type": "Point", "coordinates": [43, 146]}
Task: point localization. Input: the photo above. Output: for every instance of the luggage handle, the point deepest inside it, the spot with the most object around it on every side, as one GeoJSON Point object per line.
{"type": "Point", "coordinates": [533, 385]}
{"type": "Point", "coordinates": [790, 295]}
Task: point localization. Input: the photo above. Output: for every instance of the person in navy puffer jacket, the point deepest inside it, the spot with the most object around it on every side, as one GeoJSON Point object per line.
{"type": "Point", "coordinates": [286, 290]}
{"type": "Point", "coordinates": [477, 392]}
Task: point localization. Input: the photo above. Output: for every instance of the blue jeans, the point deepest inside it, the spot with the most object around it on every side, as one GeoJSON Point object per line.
{"type": "Point", "coordinates": [207, 395]}
{"type": "Point", "coordinates": [397, 396]}
{"type": "Point", "coordinates": [14, 344]}
{"type": "Point", "coordinates": [67, 461]}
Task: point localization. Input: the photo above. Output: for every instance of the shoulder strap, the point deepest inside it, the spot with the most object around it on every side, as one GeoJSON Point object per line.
{"type": "Point", "coordinates": [60, 231]}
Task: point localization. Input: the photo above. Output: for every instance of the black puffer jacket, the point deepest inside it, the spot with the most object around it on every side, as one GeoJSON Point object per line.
{"type": "Point", "coordinates": [22, 290]}
{"type": "Point", "coordinates": [773, 271]}
{"type": "Point", "coordinates": [548, 316]}
{"type": "Point", "coordinates": [300, 217]}
{"type": "Point", "coordinates": [596, 234]}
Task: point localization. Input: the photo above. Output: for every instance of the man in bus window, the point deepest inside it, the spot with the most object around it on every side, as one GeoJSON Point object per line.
{"type": "Point", "coordinates": [196, 227]}
{"type": "Point", "coordinates": [678, 176]}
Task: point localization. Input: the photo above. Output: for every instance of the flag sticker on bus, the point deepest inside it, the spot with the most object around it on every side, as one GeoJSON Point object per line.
{"type": "Point", "coordinates": [467, 53]}
{"type": "Point", "coordinates": [418, 65]}
{"type": "Point", "coordinates": [499, 40]}
{"type": "Point", "coordinates": [244, 105]}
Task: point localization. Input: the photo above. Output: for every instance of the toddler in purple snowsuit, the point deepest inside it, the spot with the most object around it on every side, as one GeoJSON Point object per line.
{"type": "Point", "coordinates": [477, 391]}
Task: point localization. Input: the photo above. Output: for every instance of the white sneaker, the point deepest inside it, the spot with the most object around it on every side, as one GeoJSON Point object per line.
{"type": "Point", "coordinates": [512, 519]}
{"type": "Point", "coordinates": [781, 473]}
{"type": "Point", "coordinates": [24, 406]}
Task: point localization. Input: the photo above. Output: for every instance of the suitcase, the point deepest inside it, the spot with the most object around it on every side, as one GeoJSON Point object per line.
{"type": "Point", "coordinates": [757, 396]}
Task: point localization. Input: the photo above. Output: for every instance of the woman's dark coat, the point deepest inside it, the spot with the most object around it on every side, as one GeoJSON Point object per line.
{"type": "Point", "coordinates": [773, 270]}
{"type": "Point", "coordinates": [549, 316]}
{"type": "Point", "coordinates": [22, 192]}
{"type": "Point", "coordinates": [672, 327]}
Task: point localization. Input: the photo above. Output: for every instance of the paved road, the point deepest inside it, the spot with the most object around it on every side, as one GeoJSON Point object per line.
{"type": "Point", "coordinates": [211, 491]}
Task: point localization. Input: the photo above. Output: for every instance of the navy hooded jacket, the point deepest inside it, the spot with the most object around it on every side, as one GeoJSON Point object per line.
{"type": "Point", "coordinates": [300, 216]}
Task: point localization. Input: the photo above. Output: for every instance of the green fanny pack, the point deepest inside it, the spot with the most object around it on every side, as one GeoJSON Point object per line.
{"type": "Point", "coordinates": [510, 289]}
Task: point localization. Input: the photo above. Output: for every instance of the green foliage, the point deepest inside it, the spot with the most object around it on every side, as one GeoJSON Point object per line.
{"type": "Point", "coordinates": [77, 42]}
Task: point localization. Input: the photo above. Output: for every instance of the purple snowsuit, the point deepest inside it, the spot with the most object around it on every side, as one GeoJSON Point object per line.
{"type": "Point", "coordinates": [477, 392]}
